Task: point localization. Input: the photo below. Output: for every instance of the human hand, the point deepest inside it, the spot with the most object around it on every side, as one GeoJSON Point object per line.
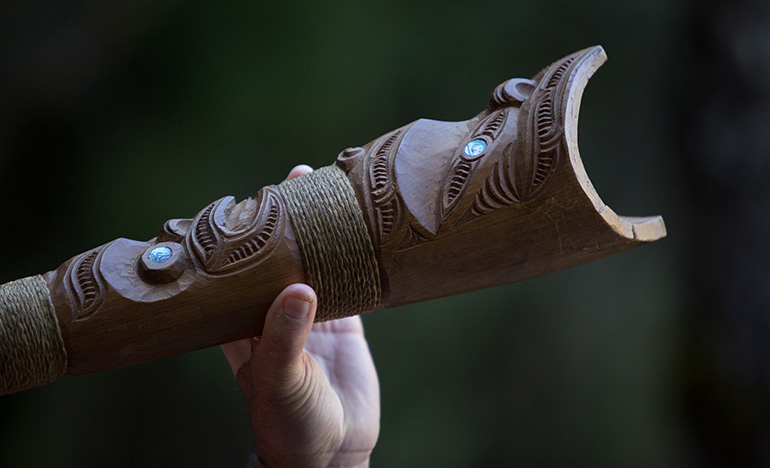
{"type": "Point", "coordinates": [312, 407]}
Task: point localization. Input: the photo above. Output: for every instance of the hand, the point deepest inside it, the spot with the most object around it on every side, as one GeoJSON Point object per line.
{"type": "Point", "coordinates": [312, 407]}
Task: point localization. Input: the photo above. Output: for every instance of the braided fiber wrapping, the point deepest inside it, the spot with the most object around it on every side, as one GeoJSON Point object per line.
{"type": "Point", "coordinates": [31, 346]}
{"type": "Point", "coordinates": [334, 243]}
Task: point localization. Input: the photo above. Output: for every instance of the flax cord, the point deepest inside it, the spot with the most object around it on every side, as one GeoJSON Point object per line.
{"type": "Point", "coordinates": [31, 346]}
{"type": "Point", "coordinates": [334, 243]}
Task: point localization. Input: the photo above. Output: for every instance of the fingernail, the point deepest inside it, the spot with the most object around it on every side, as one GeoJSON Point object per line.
{"type": "Point", "coordinates": [296, 308]}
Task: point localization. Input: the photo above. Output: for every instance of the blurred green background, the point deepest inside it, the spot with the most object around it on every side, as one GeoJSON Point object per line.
{"type": "Point", "coordinates": [117, 116]}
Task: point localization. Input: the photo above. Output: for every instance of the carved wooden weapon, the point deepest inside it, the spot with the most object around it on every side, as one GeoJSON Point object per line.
{"type": "Point", "coordinates": [428, 210]}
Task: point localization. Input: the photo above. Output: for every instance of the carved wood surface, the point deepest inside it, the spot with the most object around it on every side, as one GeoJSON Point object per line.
{"type": "Point", "coordinates": [226, 265]}
{"type": "Point", "coordinates": [451, 207]}
{"type": "Point", "coordinates": [502, 197]}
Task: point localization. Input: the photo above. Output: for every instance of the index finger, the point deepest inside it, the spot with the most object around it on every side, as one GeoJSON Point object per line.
{"type": "Point", "coordinates": [297, 171]}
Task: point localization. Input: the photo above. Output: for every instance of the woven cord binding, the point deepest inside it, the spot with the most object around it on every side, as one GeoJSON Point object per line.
{"type": "Point", "coordinates": [334, 243]}
{"type": "Point", "coordinates": [32, 350]}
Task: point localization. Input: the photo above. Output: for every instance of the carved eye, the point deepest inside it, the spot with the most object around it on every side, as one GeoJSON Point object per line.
{"type": "Point", "coordinates": [160, 254]}
{"type": "Point", "coordinates": [162, 263]}
{"type": "Point", "coordinates": [474, 148]}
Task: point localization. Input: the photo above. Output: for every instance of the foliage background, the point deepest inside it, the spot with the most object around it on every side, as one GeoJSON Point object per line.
{"type": "Point", "coordinates": [117, 116]}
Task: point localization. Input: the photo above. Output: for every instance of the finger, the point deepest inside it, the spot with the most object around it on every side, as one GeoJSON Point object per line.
{"type": "Point", "coordinates": [351, 324]}
{"type": "Point", "coordinates": [237, 353]}
{"type": "Point", "coordinates": [277, 357]}
{"type": "Point", "coordinates": [297, 171]}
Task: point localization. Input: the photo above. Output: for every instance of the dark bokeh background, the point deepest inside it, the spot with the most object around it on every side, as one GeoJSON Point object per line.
{"type": "Point", "coordinates": [114, 118]}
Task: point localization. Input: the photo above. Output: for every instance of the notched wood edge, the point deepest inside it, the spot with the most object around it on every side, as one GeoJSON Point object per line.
{"type": "Point", "coordinates": [640, 229]}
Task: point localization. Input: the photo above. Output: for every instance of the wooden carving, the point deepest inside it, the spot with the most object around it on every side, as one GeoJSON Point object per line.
{"type": "Point", "coordinates": [459, 206]}
{"type": "Point", "coordinates": [450, 207]}
{"type": "Point", "coordinates": [169, 293]}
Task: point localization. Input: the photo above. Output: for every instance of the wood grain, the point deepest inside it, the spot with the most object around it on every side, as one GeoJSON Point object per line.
{"type": "Point", "coordinates": [450, 206]}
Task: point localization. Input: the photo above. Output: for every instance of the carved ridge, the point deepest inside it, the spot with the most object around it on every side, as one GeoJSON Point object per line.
{"type": "Point", "coordinates": [84, 284]}
{"type": "Point", "coordinates": [387, 204]}
{"type": "Point", "coordinates": [494, 123]}
{"type": "Point", "coordinates": [527, 166]}
{"type": "Point", "coordinates": [381, 170]}
{"type": "Point", "coordinates": [411, 238]}
{"type": "Point", "coordinates": [204, 236]}
{"type": "Point", "coordinates": [256, 226]}
{"type": "Point", "coordinates": [456, 185]}
{"type": "Point", "coordinates": [460, 172]}
{"type": "Point", "coordinates": [257, 242]}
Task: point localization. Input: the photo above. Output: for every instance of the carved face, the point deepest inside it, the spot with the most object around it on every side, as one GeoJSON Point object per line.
{"type": "Point", "coordinates": [432, 176]}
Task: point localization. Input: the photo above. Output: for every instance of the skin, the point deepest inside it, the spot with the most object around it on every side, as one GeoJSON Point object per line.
{"type": "Point", "coordinates": [312, 389]}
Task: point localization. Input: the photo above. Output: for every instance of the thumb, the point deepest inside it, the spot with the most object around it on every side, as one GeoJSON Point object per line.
{"type": "Point", "coordinates": [277, 358]}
